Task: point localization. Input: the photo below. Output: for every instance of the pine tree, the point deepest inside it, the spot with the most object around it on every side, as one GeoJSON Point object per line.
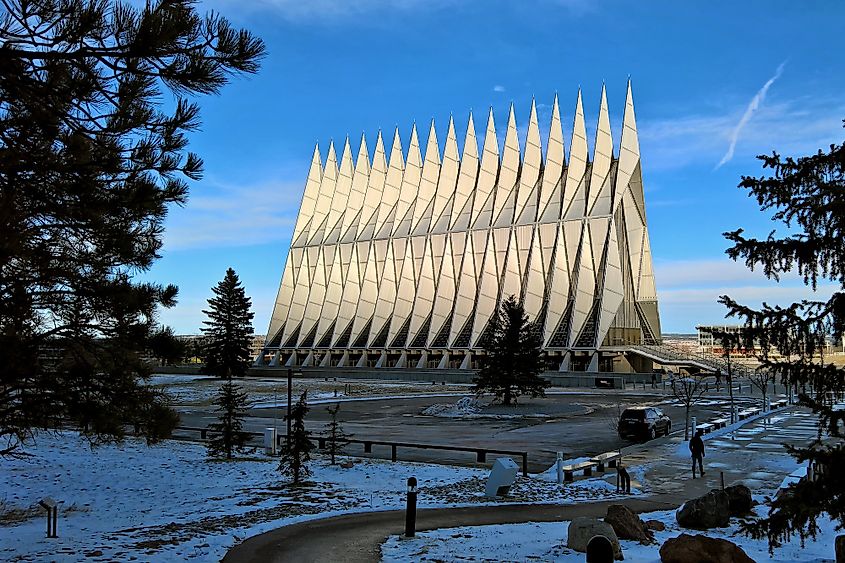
{"type": "Point", "coordinates": [92, 154]}
{"type": "Point", "coordinates": [513, 359]}
{"type": "Point", "coordinates": [228, 330]}
{"type": "Point", "coordinates": [296, 451]}
{"type": "Point", "coordinates": [227, 435]}
{"type": "Point", "coordinates": [807, 195]}
{"type": "Point", "coordinates": [337, 437]}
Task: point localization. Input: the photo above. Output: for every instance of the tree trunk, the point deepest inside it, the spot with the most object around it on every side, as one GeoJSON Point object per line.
{"type": "Point", "coordinates": [686, 425]}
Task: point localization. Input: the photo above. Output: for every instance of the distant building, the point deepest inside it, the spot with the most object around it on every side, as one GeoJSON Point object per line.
{"type": "Point", "coordinates": [402, 262]}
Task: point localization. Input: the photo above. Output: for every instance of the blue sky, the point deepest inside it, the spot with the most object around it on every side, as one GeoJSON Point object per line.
{"type": "Point", "coordinates": [707, 76]}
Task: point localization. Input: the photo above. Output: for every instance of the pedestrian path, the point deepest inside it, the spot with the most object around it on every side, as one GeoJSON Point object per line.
{"type": "Point", "coordinates": [752, 454]}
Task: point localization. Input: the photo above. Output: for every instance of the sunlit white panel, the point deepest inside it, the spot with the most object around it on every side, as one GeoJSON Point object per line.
{"type": "Point", "coordinates": [599, 194]}
{"type": "Point", "coordinates": [553, 181]}
{"type": "Point", "coordinates": [585, 287]}
{"type": "Point", "coordinates": [505, 199]}
{"type": "Point", "coordinates": [351, 290]}
{"type": "Point", "coordinates": [390, 193]}
{"type": "Point", "coordinates": [283, 297]}
{"type": "Point", "coordinates": [424, 300]}
{"type": "Point", "coordinates": [444, 298]}
{"type": "Point", "coordinates": [444, 196]}
{"type": "Point", "coordinates": [535, 278]}
{"type": "Point", "coordinates": [468, 282]}
{"type": "Point", "coordinates": [572, 240]}
{"type": "Point", "coordinates": [340, 200]}
{"type": "Point", "coordinates": [372, 197]}
{"type": "Point", "coordinates": [526, 196]}
{"type": "Point", "coordinates": [510, 273]}
{"type": "Point", "coordinates": [334, 294]}
{"type": "Point", "coordinates": [488, 287]}
{"type": "Point", "coordinates": [366, 305]}
{"type": "Point", "coordinates": [613, 290]}
{"type": "Point", "coordinates": [559, 286]}
{"type": "Point", "coordinates": [317, 292]}
{"type": "Point", "coordinates": [635, 231]}
{"type": "Point", "coordinates": [465, 189]}
{"type": "Point", "coordinates": [629, 151]}
{"type": "Point", "coordinates": [409, 188]}
{"type": "Point", "coordinates": [309, 197]}
{"type": "Point", "coordinates": [647, 289]}
{"type": "Point", "coordinates": [357, 194]}
{"type": "Point", "coordinates": [386, 296]}
{"type": "Point", "coordinates": [424, 201]}
{"type": "Point", "coordinates": [325, 195]}
{"type": "Point", "coordinates": [302, 286]}
{"type": "Point", "coordinates": [405, 289]}
{"type": "Point", "coordinates": [575, 187]}
{"type": "Point", "coordinates": [482, 208]}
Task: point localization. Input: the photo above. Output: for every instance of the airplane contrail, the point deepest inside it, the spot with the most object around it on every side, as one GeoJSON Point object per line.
{"type": "Point", "coordinates": [749, 111]}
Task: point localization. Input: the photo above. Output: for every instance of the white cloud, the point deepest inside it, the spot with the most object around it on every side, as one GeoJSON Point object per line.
{"type": "Point", "coordinates": [498, 88]}
{"type": "Point", "coordinates": [230, 215]}
{"type": "Point", "coordinates": [753, 106]}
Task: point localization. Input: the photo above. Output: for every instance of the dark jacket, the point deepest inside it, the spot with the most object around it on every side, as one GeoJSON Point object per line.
{"type": "Point", "coordinates": [696, 446]}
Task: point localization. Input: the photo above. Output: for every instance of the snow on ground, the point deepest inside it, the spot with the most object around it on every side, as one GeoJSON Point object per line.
{"type": "Point", "coordinates": [200, 390]}
{"type": "Point", "coordinates": [546, 541]}
{"type": "Point", "coordinates": [168, 502]}
{"type": "Point", "coordinates": [472, 407]}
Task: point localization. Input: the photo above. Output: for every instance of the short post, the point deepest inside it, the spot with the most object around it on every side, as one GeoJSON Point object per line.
{"type": "Point", "coordinates": [559, 468]}
{"type": "Point", "coordinates": [411, 508]}
{"type": "Point", "coordinates": [290, 400]}
{"type": "Point", "coordinates": [52, 509]}
{"type": "Point", "coordinates": [694, 425]}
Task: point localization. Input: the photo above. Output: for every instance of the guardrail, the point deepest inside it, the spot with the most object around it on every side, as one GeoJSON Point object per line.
{"type": "Point", "coordinates": [480, 453]}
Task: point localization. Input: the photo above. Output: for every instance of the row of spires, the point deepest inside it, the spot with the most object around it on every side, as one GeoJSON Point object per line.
{"type": "Point", "coordinates": [491, 138]}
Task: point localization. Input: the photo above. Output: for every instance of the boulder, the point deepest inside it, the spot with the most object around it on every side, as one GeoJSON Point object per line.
{"type": "Point", "coordinates": [739, 498]}
{"type": "Point", "coordinates": [701, 549]}
{"type": "Point", "coordinates": [655, 525]}
{"type": "Point", "coordinates": [582, 530]}
{"type": "Point", "coordinates": [709, 511]}
{"type": "Point", "coordinates": [626, 524]}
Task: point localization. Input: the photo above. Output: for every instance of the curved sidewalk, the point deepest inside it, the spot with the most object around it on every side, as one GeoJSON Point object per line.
{"type": "Point", "coordinates": [358, 537]}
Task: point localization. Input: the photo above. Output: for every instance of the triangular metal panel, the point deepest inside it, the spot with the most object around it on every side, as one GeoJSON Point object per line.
{"type": "Point", "coordinates": [559, 284]}
{"type": "Point", "coordinates": [409, 188]}
{"type": "Point", "coordinates": [510, 271]}
{"type": "Point", "coordinates": [424, 300]}
{"type": "Point", "coordinates": [340, 200]}
{"type": "Point", "coordinates": [467, 177]}
{"type": "Point", "coordinates": [316, 294]}
{"type": "Point", "coordinates": [600, 193]}
{"type": "Point", "coordinates": [647, 289]}
{"type": "Point", "coordinates": [368, 297]}
{"type": "Point", "coordinates": [390, 192]}
{"type": "Point", "coordinates": [444, 196]}
{"type": "Point", "coordinates": [613, 291]}
{"type": "Point", "coordinates": [467, 282]}
{"type": "Point", "coordinates": [444, 299]}
{"type": "Point", "coordinates": [334, 295]}
{"type": "Point", "coordinates": [309, 195]}
{"type": "Point", "coordinates": [357, 194]}
{"type": "Point", "coordinates": [575, 187]}
{"type": "Point", "coordinates": [482, 208]}
{"type": "Point", "coordinates": [572, 239]}
{"type": "Point", "coordinates": [629, 151]}
{"type": "Point", "coordinates": [504, 206]}
{"type": "Point", "coordinates": [372, 197]}
{"type": "Point", "coordinates": [405, 290]}
{"type": "Point", "coordinates": [636, 231]}
{"type": "Point", "coordinates": [535, 276]}
{"type": "Point", "coordinates": [386, 296]}
{"type": "Point", "coordinates": [585, 286]}
{"type": "Point", "coordinates": [351, 288]}
{"type": "Point", "coordinates": [598, 237]}
{"type": "Point", "coordinates": [424, 205]}
{"type": "Point", "coordinates": [553, 180]}
{"type": "Point", "coordinates": [283, 297]}
{"type": "Point", "coordinates": [526, 202]}
{"type": "Point", "coordinates": [488, 289]}
{"type": "Point", "coordinates": [324, 198]}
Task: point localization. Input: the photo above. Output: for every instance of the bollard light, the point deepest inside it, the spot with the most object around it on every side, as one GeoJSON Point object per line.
{"type": "Point", "coordinates": [51, 506]}
{"type": "Point", "coordinates": [411, 508]}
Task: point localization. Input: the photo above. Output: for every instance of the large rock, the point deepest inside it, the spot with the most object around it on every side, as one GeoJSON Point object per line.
{"type": "Point", "coordinates": [701, 549]}
{"type": "Point", "coordinates": [710, 511]}
{"type": "Point", "coordinates": [655, 525]}
{"type": "Point", "coordinates": [739, 498]}
{"type": "Point", "coordinates": [626, 524]}
{"type": "Point", "coordinates": [582, 529]}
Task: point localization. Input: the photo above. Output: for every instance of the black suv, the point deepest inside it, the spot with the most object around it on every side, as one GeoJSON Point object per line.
{"type": "Point", "coordinates": [644, 422]}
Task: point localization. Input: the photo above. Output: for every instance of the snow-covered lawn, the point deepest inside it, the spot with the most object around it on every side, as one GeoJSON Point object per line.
{"type": "Point", "coordinates": [546, 541]}
{"type": "Point", "coordinates": [168, 502]}
{"type": "Point", "coordinates": [200, 390]}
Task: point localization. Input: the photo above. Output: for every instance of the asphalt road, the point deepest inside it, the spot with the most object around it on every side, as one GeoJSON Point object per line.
{"type": "Point", "coordinates": [580, 424]}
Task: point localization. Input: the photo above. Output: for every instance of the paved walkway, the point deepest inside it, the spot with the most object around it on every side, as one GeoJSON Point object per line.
{"type": "Point", "coordinates": [752, 454]}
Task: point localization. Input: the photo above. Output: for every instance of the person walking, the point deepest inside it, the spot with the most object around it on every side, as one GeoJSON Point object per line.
{"type": "Point", "coordinates": [718, 379]}
{"type": "Point", "coordinates": [623, 480]}
{"type": "Point", "coordinates": [696, 448]}
{"type": "Point", "coordinates": [653, 380]}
